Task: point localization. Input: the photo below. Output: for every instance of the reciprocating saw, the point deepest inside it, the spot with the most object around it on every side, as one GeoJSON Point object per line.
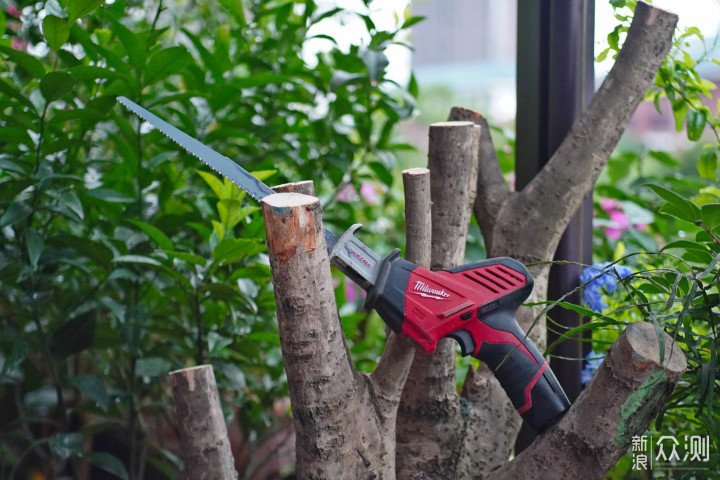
{"type": "Point", "coordinates": [475, 304]}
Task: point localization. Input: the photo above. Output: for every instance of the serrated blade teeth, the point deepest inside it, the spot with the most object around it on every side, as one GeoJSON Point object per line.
{"type": "Point", "coordinates": [221, 164]}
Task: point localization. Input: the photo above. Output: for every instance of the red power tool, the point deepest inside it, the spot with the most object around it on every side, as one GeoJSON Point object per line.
{"type": "Point", "coordinates": [474, 304]}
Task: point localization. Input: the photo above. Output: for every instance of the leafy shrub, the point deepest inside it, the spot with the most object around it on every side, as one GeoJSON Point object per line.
{"type": "Point", "coordinates": [117, 262]}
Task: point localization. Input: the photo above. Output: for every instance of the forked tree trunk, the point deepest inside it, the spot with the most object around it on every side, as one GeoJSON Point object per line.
{"type": "Point", "coordinates": [627, 392]}
{"type": "Point", "coordinates": [346, 421]}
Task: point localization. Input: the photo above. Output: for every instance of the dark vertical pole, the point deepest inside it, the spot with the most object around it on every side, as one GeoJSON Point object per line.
{"type": "Point", "coordinates": [554, 84]}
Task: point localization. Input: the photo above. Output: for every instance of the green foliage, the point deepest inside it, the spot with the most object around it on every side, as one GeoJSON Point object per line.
{"type": "Point", "coordinates": [120, 257]}
{"type": "Point", "coordinates": [657, 212]}
{"type": "Point", "coordinates": [679, 82]}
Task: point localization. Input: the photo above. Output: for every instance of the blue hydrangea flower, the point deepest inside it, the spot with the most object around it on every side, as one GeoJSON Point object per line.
{"type": "Point", "coordinates": [606, 279]}
{"type": "Point", "coordinates": [592, 363]}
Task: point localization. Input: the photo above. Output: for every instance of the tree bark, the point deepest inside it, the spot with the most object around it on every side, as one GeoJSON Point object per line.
{"type": "Point", "coordinates": [383, 387]}
{"type": "Point", "coordinates": [306, 187]}
{"type": "Point", "coordinates": [201, 425]}
{"type": "Point", "coordinates": [627, 392]}
{"type": "Point", "coordinates": [344, 419]}
{"type": "Point", "coordinates": [430, 420]}
{"type": "Point", "coordinates": [320, 374]}
{"type": "Point", "coordinates": [529, 224]}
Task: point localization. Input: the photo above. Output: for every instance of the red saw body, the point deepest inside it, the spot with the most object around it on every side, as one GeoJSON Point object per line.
{"type": "Point", "coordinates": [474, 304]}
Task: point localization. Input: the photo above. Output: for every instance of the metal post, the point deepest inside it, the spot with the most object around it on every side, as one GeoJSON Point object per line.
{"type": "Point", "coordinates": [554, 83]}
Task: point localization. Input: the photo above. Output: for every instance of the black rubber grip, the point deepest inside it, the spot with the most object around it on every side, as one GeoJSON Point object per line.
{"type": "Point", "coordinates": [523, 373]}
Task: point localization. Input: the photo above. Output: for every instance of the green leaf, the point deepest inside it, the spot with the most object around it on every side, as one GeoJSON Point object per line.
{"type": "Point", "coordinates": [164, 63]}
{"type": "Point", "coordinates": [613, 38]}
{"type": "Point", "coordinates": [707, 165]}
{"type": "Point", "coordinates": [664, 158]}
{"type": "Point", "coordinates": [152, 367]}
{"type": "Point", "coordinates": [188, 257]}
{"type": "Point", "coordinates": [679, 108]}
{"type": "Point", "coordinates": [132, 43]}
{"type": "Point", "coordinates": [109, 463]}
{"type": "Point", "coordinates": [72, 337]}
{"type": "Point", "coordinates": [35, 245]}
{"type": "Point", "coordinates": [141, 259]}
{"type": "Point", "coordinates": [710, 213]}
{"type": "Point", "coordinates": [232, 212]}
{"type": "Point", "coordinates": [70, 200]}
{"type": "Point", "coordinates": [56, 31]}
{"type": "Point", "coordinates": [382, 172]}
{"type": "Point", "coordinates": [266, 337]}
{"type": "Point", "coordinates": [602, 55]}
{"type": "Point", "coordinates": [13, 92]}
{"type": "Point", "coordinates": [66, 445]}
{"type": "Point", "coordinates": [263, 175]}
{"type": "Point", "coordinates": [157, 235]}
{"type": "Point", "coordinates": [94, 388]}
{"type": "Point", "coordinates": [15, 213]}
{"type": "Point", "coordinates": [231, 250]}
{"type": "Point", "coordinates": [686, 245]}
{"type": "Point", "coordinates": [55, 85]}
{"type": "Point", "coordinates": [16, 135]}
{"type": "Point", "coordinates": [676, 205]}
{"type": "Point", "coordinates": [411, 21]}
{"type": "Point", "coordinates": [215, 183]}
{"type": "Point", "coordinates": [376, 61]}
{"type": "Point", "coordinates": [236, 9]}
{"type": "Point", "coordinates": [695, 123]}
{"type": "Point", "coordinates": [80, 8]}
{"type": "Point", "coordinates": [92, 72]}
{"type": "Point", "coordinates": [108, 195]}
{"type": "Point", "coordinates": [25, 61]}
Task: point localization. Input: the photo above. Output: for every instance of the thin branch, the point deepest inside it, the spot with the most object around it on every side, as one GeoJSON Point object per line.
{"type": "Point", "coordinates": [492, 189]}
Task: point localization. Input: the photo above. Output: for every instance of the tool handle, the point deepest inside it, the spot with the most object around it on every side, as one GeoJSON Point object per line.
{"type": "Point", "coordinates": [474, 304]}
{"type": "Point", "coordinates": [522, 371]}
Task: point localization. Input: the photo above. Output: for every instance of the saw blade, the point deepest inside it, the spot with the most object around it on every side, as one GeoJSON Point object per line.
{"type": "Point", "coordinates": [218, 162]}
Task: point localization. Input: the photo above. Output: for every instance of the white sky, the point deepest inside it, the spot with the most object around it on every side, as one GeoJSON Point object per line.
{"type": "Point", "coordinates": [387, 14]}
{"type": "Point", "coordinates": [704, 14]}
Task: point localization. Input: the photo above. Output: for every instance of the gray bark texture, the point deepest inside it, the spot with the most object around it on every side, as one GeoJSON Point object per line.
{"type": "Point", "coordinates": [201, 425]}
{"type": "Point", "coordinates": [344, 419]}
{"type": "Point", "coordinates": [428, 437]}
{"type": "Point", "coordinates": [527, 225]}
{"type": "Point", "coordinates": [626, 393]}
{"type": "Point", "coordinates": [320, 375]}
{"type": "Point", "coordinates": [380, 425]}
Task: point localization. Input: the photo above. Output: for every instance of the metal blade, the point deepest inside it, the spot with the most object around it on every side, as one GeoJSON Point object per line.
{"type": "Point", "coordinates": [347, 253]}
{"type": "Point", "coordinates": [220, 163]}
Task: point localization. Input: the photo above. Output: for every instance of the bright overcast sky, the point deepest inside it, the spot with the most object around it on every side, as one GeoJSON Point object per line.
{"type": "Point", "coordinates": [349, 29]}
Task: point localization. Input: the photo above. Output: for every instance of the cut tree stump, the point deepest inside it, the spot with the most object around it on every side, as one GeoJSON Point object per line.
{"type": "Point", "coordinates": [320, 376]}
{"type": "Point", "coordinates": [201, 424]}
{"type": "Point", "coordinates": [624, 396]}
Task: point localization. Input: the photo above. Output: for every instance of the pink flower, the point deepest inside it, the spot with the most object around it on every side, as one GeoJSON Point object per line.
{"type": "Point", "coordinates": [19, 44]}
{"type": "Point", "coordinates": [13, 11]}
{"type": "Point", "coordinates": [350, 291]}
{"type": "Point", "coordinates": [370, 193]}
{"type": "Point", "coordinates": [347, 193]}
{"type": "Point", "coordinates": [619, 221]}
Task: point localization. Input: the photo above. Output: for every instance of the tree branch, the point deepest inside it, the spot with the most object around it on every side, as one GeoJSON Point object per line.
{"type": "Point", "coordinates": [627, 392]}
{"type": "Point", "coordinates": [394, 364]}
{"type": "Point", "coordinates": [492, 189]}
{"type": "Point", "coordinates": [430, 419]}
{"type": "Point", "coordinates": [320, 376]}
{"type": "Point", "coordinates": [201, 424]}
{"type": "Point", "coordinates": [533, 221]}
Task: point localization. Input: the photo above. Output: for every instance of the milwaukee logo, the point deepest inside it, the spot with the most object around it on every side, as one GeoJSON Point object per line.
{"type": "Point", "coordinates": [360, 257]}
{"type": "Point", "coordinates": [424, 290]}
